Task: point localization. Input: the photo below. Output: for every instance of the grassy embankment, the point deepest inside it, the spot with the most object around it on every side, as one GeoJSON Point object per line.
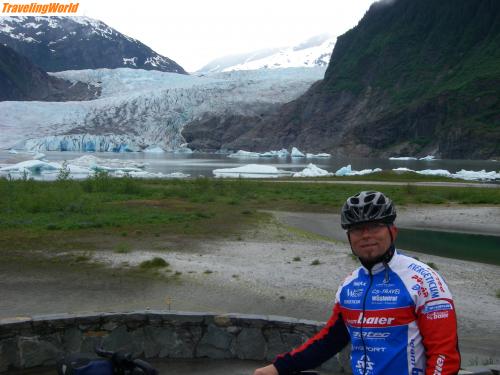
{"type": "Point", "coordinates": [125, 214]}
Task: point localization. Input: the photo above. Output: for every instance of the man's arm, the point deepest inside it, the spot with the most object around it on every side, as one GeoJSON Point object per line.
{"type": "Point", "coordinates": [318, 349]}
{"type": "Point", "coordinates": [437, 323]}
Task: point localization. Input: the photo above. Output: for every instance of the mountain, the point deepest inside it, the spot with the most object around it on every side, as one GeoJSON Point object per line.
{"type": "Point", "coordinates": [74, 43]}
{"type": "Point", "coordinates": [412, 78]}
{"type": "Point", "coordinates": [138, 108]}
{"type": "Point", "coordinates": [225, 62]}
{"type": "Point", "coordinates": [21, 80]}
{"type": "Point", "coordinates": [315, 51]}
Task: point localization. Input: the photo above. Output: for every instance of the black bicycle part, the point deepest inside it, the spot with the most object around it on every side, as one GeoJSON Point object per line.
{"type": "Point", "coordinates": [125, 364]}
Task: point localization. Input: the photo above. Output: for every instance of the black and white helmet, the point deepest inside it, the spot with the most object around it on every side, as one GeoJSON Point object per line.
{"type": "Point", "coordinates": [367, 206]}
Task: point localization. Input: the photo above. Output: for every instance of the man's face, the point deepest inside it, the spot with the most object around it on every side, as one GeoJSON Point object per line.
{"type": "Point", "coordinates": [371, 240]}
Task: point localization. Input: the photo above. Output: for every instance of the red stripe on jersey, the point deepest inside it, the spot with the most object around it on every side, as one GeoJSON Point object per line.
{"type": "Point", "coordinates": [321, 334]}
{"type": "Point", "coordinates": [379, 318]}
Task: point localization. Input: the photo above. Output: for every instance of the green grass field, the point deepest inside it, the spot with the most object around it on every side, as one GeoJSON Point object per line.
{"type": "Point", "coordinates": [71, 214]}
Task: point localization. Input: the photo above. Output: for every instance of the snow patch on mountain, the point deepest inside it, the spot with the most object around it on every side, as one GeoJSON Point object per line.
{"type": "Point", "coordinates": [78, 42]}
{"type": "Point", "coordinates": [315, 51]}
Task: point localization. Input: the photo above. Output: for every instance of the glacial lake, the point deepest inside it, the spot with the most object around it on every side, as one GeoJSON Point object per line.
{"type": "Point", "coordinates": [200, 164]}
{"type": "Point", "coordinates": [472, 247]}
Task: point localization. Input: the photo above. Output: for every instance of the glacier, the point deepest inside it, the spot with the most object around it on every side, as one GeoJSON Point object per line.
{"type": "Point", "coordinates": [139, 109]}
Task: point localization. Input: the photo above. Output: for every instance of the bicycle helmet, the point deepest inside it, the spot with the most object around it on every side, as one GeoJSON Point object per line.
{"type": "Point", "coordinates": [365, 207]}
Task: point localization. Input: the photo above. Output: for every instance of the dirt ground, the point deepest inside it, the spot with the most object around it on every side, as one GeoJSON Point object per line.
{"type": "Point", "coordinates": [275, 269]}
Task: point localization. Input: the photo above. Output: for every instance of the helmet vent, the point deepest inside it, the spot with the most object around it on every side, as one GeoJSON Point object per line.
{"type": "Point", "coordinates": [367, 206]}
{"type": "Point", "coordinates": [369, 198]}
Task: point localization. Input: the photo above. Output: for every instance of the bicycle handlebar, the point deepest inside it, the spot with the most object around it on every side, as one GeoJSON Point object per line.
{"type": "Point", "coordinates": [125, 361]}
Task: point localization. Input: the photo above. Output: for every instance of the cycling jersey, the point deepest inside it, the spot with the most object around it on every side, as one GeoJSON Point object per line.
{"type": "Point", "coordinates": [399, 317]}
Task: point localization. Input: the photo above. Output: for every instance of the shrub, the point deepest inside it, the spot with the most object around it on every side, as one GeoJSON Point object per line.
{"type": "Point", "coordinates": [154, 263]}
{"type": "Point", "coordinates": [124, 248]}
{"type": "Point", "coordinates": [433, 266]}
{"type": "Point", "coordinates": [64, 172]}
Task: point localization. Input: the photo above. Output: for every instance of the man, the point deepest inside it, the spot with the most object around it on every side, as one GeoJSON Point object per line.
{"type": "Point", "coordinates": [397, 312]}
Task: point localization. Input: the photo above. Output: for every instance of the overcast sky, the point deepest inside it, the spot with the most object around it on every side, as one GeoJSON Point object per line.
{"type": "Point", "coordinates": [194, 32]}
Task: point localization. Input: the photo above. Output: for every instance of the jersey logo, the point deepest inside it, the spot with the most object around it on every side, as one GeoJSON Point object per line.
{"type": "Point", "coordinates": [363, 362]}
{"type": "Point", "coordinates": [375, 320]}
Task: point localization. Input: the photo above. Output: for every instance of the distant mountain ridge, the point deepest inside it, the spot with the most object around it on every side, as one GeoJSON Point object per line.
{"type": "Point", "coordinates": [412, 78]}
{"type": "Point", "coordinates": [22, 80]}
{"type": "Point", "coordinates": [313, 52]}
{"type": "Point", "coordinates": [74, 43]}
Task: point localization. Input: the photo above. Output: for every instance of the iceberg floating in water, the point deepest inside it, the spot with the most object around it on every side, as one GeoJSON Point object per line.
{"type": "Point", "coordinates": [80, 168]}
{"type": "Point", "coordinates": [296, 153]}
{"type": "Point", "coordinates": [318, 156]}
{"type": "Point", "coordinates": [312, 171]}
{"type": "Point", "coordinates": [244, 154]}
{"type": "Point", "coordinates": [283, 153]}
{"type": "Point", "coordinates": [462, 174]}
{"type": "Point", "coordinates": [144, 174]}
{"type": "Point", "coordinates": [183, 150]}
{"type": "Point", "coordinates": [428, 158]}
{"type": "Point", "coordinates": [250, 171]}
{"type": "Point", "coordinates": [154, 150]}
{"type": "Point", "coordinates": [348, 171]}
{"type": "Point", "coordinates": [31, 166]}
{"type": "Point", "coordinates": [177, 175]}
{"type": "Point", "coordinates": [402, 158]}
{"type": "Point", "coordinates": [366, 171]}
{"type": "Point", "coordinates": [344, 171]}
{"type": "Point", "coordinates": [403, 170]}
{"type": "Point", "coordinates": [477, 175]}
{"type": "Point", "coordinates": [99, 164]}
{"type": "Point", "coordinates": [435, 172]}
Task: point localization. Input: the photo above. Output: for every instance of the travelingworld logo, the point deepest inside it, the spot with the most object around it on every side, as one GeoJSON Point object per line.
{"type": "Point", "coordinates": [40, 8]}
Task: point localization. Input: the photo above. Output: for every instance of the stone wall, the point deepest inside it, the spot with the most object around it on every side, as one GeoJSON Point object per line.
{"type": "Point", "coordinates": [27, 342]}
{"type": "Point", "coordinates": [41, 340]}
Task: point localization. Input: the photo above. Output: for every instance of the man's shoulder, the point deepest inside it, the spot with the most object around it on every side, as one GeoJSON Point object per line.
{"type": "Point", "coordinates": [355, 274]}
{"type": "Point", "coordinates": [422, 278]}
{"type": "Point", "coordinates": [412, 263]}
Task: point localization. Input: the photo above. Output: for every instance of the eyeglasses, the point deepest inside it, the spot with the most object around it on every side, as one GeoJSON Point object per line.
{"type": "Point", "coordinates": [371, 228]}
